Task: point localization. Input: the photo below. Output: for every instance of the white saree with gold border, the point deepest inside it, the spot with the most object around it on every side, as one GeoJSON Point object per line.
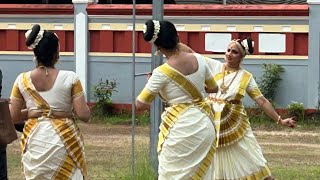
{"type": "Point", "coordinates": [52, 148]}
{"type": "Point", "coordinates": [187, 138]}
{"type": "Point", "coordinates": [238, 156]}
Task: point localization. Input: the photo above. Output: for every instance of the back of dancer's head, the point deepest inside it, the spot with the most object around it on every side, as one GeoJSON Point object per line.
{"type": "Point", "coordinates": [162, 33]}
{"type": "Point", "coordinates": [45, 45]}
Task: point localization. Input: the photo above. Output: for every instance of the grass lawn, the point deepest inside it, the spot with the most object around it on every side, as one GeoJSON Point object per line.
{"type": "Point", "coordinates": [292, 154]}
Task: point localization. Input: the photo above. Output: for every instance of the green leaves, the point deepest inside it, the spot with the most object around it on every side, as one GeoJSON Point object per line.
{"type": "Point", "coordinates": [270, 79]}
{"type": "Point", "coordinates": [296, 109]}
{"type": "Point", "coordinates": [103, 90]}
{"type": "Point", "coordinates": [103, 95]}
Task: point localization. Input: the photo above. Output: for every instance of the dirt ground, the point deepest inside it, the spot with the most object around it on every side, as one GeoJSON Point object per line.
{"type": "Point", "coordinates": [108, 151]}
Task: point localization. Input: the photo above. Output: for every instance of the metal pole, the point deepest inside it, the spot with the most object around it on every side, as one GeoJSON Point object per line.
{"type": "Point", "coordinates": [133, 88]}
{"type": "Point", "coordinates": [224, 2]}
{"type": "Point", "coordinates": [156, 106]}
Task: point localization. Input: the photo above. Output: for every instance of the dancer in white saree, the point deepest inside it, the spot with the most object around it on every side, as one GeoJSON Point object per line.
{"type": "Point", "coordinates": [238, 155]}
{"type": "Point", "coordinates": [52, 146]}
{"type": "Point", "coordinates": [187, 138]}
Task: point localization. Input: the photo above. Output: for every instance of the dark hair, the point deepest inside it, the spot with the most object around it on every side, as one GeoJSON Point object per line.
{"type": "Point", "coordinates": [46, 50]}
{"type": "Point", "coordinates": [167, 36]}
{"type": "Point", "coordinates": [250, 44]}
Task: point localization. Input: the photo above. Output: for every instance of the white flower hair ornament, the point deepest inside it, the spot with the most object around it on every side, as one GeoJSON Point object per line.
{"type": "Point", "coordinates": [156, 30]}
{"type": "Point", "coordinates": [37, 40]}
{"type": "Point", "coordinates": [245, 44]}
{"type": "Point", "coordinates": [144, 29]}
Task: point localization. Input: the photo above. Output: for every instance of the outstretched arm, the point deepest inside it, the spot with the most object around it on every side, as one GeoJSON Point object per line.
{"type": "Point", "coordinates": [266, 106]}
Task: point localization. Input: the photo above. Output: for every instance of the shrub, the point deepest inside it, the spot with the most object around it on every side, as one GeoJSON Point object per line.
{"type": "Point", "coordinates": [296, 109]}
{"type": "Point", "coordinates": [269, 81]}
{"type": "Point", "coordinates": [103, 95]}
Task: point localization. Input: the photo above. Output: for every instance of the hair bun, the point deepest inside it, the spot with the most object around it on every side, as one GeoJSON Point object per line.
{"type": "Point", "coordinates": [248, 45]}
{"type": "Point", "coordinates": [32, 34]}
{"type": "Point", "coordinates": [148, 30]}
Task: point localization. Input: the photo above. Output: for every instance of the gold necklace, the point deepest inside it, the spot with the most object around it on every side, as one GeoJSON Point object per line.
{"type": "Point", "coordinates": [45, 68]}
{"type": "Point", "coordinates": [223, 87]}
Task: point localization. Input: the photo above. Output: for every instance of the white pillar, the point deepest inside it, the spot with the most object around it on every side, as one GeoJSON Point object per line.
{"type": "Point", "coordinates": [81, 41]}
{"type": "Point", "coordinates": [313, 54]}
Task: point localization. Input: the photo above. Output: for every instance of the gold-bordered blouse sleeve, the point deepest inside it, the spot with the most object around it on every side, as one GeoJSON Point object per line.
{"type": "Point", "coordinates": [253, 89]}
{"type": "Point", "coordinates": [146, 96]}
{"type": "Point", "coordinates": [152, 88]}
{"type": "Point", "coordinates": [76, 89]}
{"type": "Point", "coordinates": [16, 93]}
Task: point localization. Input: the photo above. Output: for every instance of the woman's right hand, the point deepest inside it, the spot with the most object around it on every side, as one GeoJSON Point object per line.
{"type": "Point", "coordinates": [290, 122]}
{"type": "Point", "coordinates": [149, 74]}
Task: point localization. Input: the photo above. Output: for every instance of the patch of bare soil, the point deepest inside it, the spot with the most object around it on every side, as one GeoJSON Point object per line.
{"type": "Point", "coordinates": [112, 136]}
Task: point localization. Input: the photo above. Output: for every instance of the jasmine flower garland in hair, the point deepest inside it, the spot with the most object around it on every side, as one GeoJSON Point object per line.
{"type": "Point", "coordinates": [37, 40]}
{"type": "Point", "coordinates": [156, 30]}
{"type": "Point", "coordinates": [244, 43]}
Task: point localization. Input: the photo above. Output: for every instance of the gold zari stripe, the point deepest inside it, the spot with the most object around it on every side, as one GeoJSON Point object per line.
{"type": "Point", "coordinates": [218, 76]}
{"type": "Point", "coordinates": [255, 93]}
{"type": "Point", "coordinates": [146, 96]}
{"type": "Point", "coordinates": [243, 85]}
{"type": "Point", "coordinates": [76, 89]}
{"type": "Point", "coordinates": [183, 82]}
{"type": "Point", "coordinates": [169, 117]}
{"type": "Point", "coordinates": [39, 101]}
{"type": "Point", "coordinates": [262, 174]}
{"type": "Point", "coordinates": [28, 128]}
{"type": "Point", "coordinates": [211, 83]}
{"type": "Point", "coordinates": [234, 124]}
{"type": "Point", "coordinates": [65, 170]}
{"type": "Point", "coordinates": [71, 137]}
{"type": "Point", "coordinates": [16, 92]}
{"type": "Point", "coordinates": [203, 168]}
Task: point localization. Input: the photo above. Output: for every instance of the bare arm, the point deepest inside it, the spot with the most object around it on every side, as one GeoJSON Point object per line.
{"type": "Point", "coordinates": [266, 106]}
{"type": "Point", "coordinates": [141, 106]}
{"type": "Point", "coordinates": [24, 114]}
{"type": "Point", "coordinates": [81, 108]}
{"type": "Point", "coordinates": [17, 114]}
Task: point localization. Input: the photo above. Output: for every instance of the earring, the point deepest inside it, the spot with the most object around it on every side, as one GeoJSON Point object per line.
{"type": "Point", "coordinates": [157, 53]}
{"type": "Point", "coordinates": [34, 59]}
{"type": "Point", "coordinates": [58, 61]}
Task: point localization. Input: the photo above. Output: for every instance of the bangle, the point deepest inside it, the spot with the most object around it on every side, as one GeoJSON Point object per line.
{"type": "Point", "coordinates": [279, 119]}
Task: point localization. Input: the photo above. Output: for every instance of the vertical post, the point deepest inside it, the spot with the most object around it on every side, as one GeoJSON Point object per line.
{"type": "Point", "coordinates": [81, 41]}
{"type": "Point", "coordinates": [224, 2]}
{"type": "Point", "coordinates": [133, 89]}
{"type": "Point", "coordinates": [313, 54]}
{"type": "Point", "coordinates": [156, 106]}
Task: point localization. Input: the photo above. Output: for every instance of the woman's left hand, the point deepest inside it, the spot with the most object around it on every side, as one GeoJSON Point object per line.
{"type": "Point", "coordinates": [290, 122]}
